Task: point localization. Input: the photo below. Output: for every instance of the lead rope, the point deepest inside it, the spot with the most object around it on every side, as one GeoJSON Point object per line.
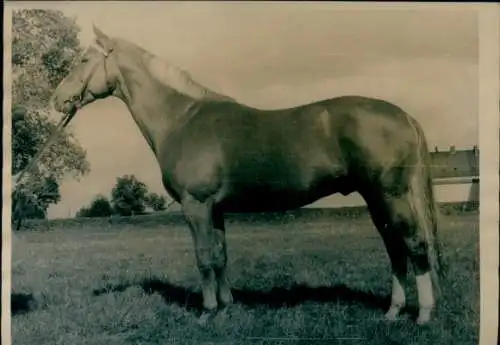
{"type": "Point", "coordinates": [61, 125]}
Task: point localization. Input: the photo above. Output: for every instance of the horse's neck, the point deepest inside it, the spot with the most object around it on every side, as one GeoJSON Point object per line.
{"type": "Point", "coordinates": [154, 107]}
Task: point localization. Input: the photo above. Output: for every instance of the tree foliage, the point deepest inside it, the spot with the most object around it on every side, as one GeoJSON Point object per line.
{"type": "Point", "coordinates": [30, 130]}
{"type": "Point", "coordinates": [99, 207]}
{"type": "Point", "coordinates": [156, 202]}
{"type": "Point", "coordinates": [33, 211]}
{"type": "Point", "coordinates": [44, 44]}
{"type": "Point", "coordinates": [129, 196]}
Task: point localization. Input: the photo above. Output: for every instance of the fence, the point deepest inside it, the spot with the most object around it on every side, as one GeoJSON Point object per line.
{"type": "Point", "coordinates": [456, 180]}
{"type": "Point", "coordinates": [449, 189]}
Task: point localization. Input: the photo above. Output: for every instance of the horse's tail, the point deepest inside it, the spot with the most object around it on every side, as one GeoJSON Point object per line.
{"type": "Point", "coordinates": [433, 217]}
{"type": "Point", "coordinates": [423, 190]}
{"type": "Point", "coordinates": [434, 244]}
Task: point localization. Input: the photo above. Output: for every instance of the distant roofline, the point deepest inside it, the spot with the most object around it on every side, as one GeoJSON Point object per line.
{"type": "Point", "coordinates": [453, 148]}
{"type": "Point", "coordinates": [444, 148]}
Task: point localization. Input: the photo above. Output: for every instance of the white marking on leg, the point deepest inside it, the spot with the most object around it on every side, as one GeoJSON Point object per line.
{"type": "Point", "coordinates": [398, 299]}
{"type": "Point", "coordinates": [425, 297]}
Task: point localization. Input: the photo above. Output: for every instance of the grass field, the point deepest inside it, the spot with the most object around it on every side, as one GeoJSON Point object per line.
{"type": "Point", "coordinates": [296, 281]}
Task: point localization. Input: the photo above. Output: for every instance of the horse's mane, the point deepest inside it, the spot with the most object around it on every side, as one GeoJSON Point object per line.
{"type": "Point", "coordinates": [175, 78]}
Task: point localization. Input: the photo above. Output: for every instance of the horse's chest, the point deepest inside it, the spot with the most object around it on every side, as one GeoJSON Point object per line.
{"type": "Point", "coordinates": [195, 171]}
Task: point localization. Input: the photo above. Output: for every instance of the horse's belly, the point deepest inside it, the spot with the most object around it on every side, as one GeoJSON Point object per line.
{"type": "Point", "coordinates": [261, 201]}
{"type": "Point", "coordinates": [263, 196]}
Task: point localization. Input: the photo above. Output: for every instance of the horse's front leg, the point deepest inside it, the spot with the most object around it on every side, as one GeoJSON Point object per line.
{"type": "Point", "coordinates": [199, 217]}
{"type": "Point", "coordinates": [224, 295]}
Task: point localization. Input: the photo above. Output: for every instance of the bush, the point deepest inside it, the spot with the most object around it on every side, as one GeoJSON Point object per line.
{"type": "Point", "coordinates": [82, 213]}
{"type": "Point", "coordinates": [156, 202]}
{"type": "Point", "coordinates": [99, 207]}
{"type": "Point", "coordinates": [129, 196]}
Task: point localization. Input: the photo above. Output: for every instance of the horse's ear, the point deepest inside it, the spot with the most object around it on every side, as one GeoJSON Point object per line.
{"type": "Point", "coordinates": [102, 39]}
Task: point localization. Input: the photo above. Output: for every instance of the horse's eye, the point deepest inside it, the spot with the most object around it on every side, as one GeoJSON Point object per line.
{"type": "Point", "coordinates": [85, 60]}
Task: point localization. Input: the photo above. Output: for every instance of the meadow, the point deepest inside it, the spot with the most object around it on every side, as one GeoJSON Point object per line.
{"type": "Point", "coordinates": [312, 278]}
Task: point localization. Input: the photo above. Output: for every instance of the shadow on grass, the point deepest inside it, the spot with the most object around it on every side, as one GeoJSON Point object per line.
{"type": "Point", "coordinates": [275, 298]}
{"type": "Point", "coordinates": [21, 303]}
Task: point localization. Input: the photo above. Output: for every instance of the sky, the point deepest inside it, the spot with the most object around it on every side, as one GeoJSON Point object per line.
{"type": "Point", "coordinates": [272, 55]}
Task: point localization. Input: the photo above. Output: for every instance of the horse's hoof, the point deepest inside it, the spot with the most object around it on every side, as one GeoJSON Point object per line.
{"type": "Point", "coordinates": [206, 317]}
{"type": "Point", "coordinates": [226, 299]}
{"type": "Point", "coordinates": [223, 312]}
{"type": "Point", "coordinates": [424, 316]}
{"type": "Point", "coordinates": [220, 317]}
{"type": "Point", "coordinates": [392, 314]}
{"type": "Point", "coordinates": [422, 321]}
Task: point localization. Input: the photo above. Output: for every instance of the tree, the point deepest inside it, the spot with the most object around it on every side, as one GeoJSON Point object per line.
{"type": "Point", "coordinates": [156, 202]}
{"type": "Point", "coordinates": [44, 44]}
{"type": "Point", "coordinates": [30, 130]}
{"type": "Point", "coordinates": [129, 196]}
{"type": "Point", "coordinates": [99, 207]}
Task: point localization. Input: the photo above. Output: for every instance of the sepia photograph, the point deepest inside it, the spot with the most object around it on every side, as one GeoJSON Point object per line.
{"type": "Point", "coordinates": [250, 173]}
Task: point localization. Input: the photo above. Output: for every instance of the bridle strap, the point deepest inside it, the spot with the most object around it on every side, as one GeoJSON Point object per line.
{"type": "Point", "coordinates": [121, 80]}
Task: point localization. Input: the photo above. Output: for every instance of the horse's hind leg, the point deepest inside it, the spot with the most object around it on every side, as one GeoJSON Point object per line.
{"type": "Point", "coordinates": [396, 250]}
{"type": "Point", "coordinates": [406, 219]}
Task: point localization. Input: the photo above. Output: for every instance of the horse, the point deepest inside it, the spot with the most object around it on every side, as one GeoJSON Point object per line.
{"type": "Point", "coordinates": [218, 155]}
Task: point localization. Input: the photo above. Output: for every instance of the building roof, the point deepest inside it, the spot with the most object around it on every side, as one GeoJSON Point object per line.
{"type": "Point", "coordinates": [455, 163]}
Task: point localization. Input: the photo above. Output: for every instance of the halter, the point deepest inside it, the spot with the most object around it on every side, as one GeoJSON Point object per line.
{"type": "Point", "coordinates": [101, 50]}
{"type": "Point", "coordinates": [121, 80]}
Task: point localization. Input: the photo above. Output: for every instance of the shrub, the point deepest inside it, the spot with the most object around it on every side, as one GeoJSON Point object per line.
{"type": "Point", "coordinates": [129, 196]}
{"type": "Point", "coordinates": [99, 207]}
{"type": "Point", "coordinates": [156, 202]}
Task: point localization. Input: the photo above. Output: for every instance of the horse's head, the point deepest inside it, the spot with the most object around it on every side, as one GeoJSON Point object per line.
{"type": "Point", "coordinates": [92, 77]}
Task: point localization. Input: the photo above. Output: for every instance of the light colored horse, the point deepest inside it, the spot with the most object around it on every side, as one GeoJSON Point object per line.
{"type": "Point", "coordinates": [217, 155]}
